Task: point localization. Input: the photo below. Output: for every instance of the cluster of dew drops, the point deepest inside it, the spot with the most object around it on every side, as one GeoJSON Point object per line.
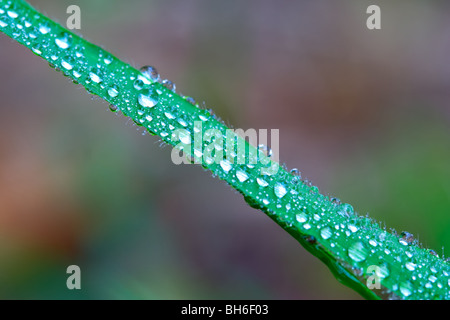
{"type": "Point", "coordinates": [295, 202]}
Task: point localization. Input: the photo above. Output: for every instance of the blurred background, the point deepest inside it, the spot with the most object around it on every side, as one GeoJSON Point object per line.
{"type": "Point", "coordinates": [363, 114]}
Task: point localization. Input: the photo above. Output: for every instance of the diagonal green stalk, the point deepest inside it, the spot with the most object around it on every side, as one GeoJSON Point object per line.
{"type": "Point", "coordinates": [347, 243]}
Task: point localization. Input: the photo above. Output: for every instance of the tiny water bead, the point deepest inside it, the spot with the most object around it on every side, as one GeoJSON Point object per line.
{"type": "Point", "coordinates": [265, 150]}
{"type": "Point", "coordinates": [68, 62]}
{"type": "Point", "coordinates": [301, 217]}
{"type": "Point", "coordinates": [113, 108]}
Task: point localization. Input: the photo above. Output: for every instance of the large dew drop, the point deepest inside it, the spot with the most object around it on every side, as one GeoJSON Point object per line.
{"type": "Point", "coordinates": [63, 41]}
{"type": "Point", "coordinates": [357, 252]}
{"type": "Point", "coordinates": [226, 165]}
{"type": "Point", "coordinates": [280, 190]}
{"type": "Point", "coordinates": [147, 99]}
{"type": "Point", "coordinates": [241, 175]}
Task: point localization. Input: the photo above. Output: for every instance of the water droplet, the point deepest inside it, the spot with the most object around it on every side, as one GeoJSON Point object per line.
{"type": "Point", "coordinates": [432, 278]}
{"type": "Point", "coordinates": [169, 115]}
{"type": "Point", "coordinates": [325, 233]}
{"type": "Point", "coordinates": [265, 149]}
{"type": "Point", "coordinates": [353, 228]}
{"type": "Point", "coordinates": [280, 190]}
{"type": "Point", "coordinates": [346, 210]}
{"type": "Point", "coordinates": [241, 175]}
{"type": "Point", "coordinates": [150, 72]}
{"type": "Point", "coordinates": [113, 108]}
{"type": "Point", "coordinates": [12, 14]}
{"type": "Point", "coordinates": [357, 252]}
{"type": "Point", "coordinates": [226, 165]}
{"type": "Point", "coordinates": [67, 63]}
{"type": "Point", "coordinates": [301, 217]}
{"type": "Point", "coordinates": [64, 41]}
{"type": "Point", "coordinates": [94, 75]}
{"type": "Point", "coordinates": [405, 288]}
{"type": "Point", "coordinates": [184, 136]}
{"type": "Point", "coordinates": [307, 226]}
{"type": "Point", "coordinates": [410, 266]}
{"type": "Point", "coordinates": [263, 183]}
{"type": "Point", "coordinates": [147, 98]}
{"type": "Point", "coordinates": [266, 202]}
{"type": "Point", "coordinates": [3, 24]}
{"type": "Point", "coordinates": [108, 60]}
{"type": "Point", "coordinates": [169, 85]}
{"type": "Point", "coordinates": [190, 100]}
{"type": "Point", "coordinates": [373, 243]}
{"type": "Point", "coordinates": [407, 238]}
{"type": "Point", "coordinates": [113, 91]}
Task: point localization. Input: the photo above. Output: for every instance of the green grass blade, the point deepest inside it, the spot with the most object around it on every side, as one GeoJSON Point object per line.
{"type": "Point", "coordinates": [348, 243]}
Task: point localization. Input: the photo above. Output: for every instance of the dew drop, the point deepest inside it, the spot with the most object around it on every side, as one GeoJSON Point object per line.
{"type": "Point", "coordinates": [12, 14]}
{"type": "Point", "coordinates": [113, 91]}
{"type": "Point", "coordinates": [67, 63]}
{"type": "Point", "coordinates": [113, 108]}
{"type": "Point", "coordinates": [147, 99]}
{"type": "Point", "coordinates": [169, 115]}
{"type": "Point", "coordinates": [301, 217]}
{"type": "Point", "coordinates": [169, 85]}
{"type": "Point", "coordinates": [241, 175]}
{"type": "Point", "coordinates": [261, 182]}
{"type": "Point", "coordinates": [325, 233]}
{"type": "Point", "coordinates": [405, 288]}
{"type": "Point", "coordinates": [226, 165]}
{"type": "Point", "coordinates": [410, 266]}
{"type": "Point", "coordinates": [150, 72]}
{"type": "Point", "coordinates": [3, 24]}
{"type": "Point", "coordinates": [280, 190]}
{"type": "Point", "coordinates": [94, 76]}
{"type": "Point", "coordinates": [265, 149]}
{"type": "Point", "coordinates": [184, 136]}
{"type": "Point", "coordinates": [64, 41]}
{"type": "Point", "coordinates": [357, 252]}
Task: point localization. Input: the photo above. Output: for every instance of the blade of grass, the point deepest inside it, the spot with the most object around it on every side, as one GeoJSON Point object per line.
{"type": "Point", "coordinates": [347, 243]}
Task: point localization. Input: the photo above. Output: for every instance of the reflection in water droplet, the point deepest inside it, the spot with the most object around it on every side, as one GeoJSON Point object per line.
{"type": "Point", "coordinates": [357, 252]}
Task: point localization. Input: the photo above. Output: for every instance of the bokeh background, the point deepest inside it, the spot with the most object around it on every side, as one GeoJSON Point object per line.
{"type": "Point", "coordinates": [363, 114]}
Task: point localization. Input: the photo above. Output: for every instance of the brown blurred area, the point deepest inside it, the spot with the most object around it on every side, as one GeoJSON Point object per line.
{"type": "Point", "coordinates": [363, 114]}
